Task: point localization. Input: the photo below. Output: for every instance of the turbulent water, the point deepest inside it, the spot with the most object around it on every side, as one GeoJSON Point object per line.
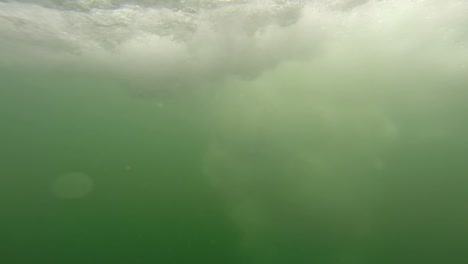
{"type": "Point", "coordinates": [234, 131]}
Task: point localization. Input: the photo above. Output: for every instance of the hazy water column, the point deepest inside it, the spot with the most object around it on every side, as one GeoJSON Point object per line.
{"type": "Point", "coordinates": [233, 131]}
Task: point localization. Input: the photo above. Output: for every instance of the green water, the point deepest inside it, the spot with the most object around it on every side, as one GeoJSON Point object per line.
{"type": "Point", "coordinates": [150, 202]}
{"type": "Point", "coordinates": [338, 138]}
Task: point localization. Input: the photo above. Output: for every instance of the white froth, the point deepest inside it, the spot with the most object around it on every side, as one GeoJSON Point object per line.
{"type": "Point", "coordinates": [241, 38]}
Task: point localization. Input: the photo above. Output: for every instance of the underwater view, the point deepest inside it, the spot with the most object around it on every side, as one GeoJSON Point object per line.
{"type": "Point", "coordinates": [234, 131]}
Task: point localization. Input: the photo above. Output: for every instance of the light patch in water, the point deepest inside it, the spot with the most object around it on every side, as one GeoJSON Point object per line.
{"type": "Point", "coordinates": [72, 185]}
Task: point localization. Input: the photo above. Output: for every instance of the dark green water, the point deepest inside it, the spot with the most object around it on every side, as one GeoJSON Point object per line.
{"type": "Point", "coordinates": [342, 143]}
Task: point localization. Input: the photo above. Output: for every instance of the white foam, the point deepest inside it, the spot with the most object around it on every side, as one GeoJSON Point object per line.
{"type": "Point", "coordinates": [240, 39]}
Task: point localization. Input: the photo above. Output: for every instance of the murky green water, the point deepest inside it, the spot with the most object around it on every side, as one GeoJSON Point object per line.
{"type": "Point", "coordinates": [234, 132]}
